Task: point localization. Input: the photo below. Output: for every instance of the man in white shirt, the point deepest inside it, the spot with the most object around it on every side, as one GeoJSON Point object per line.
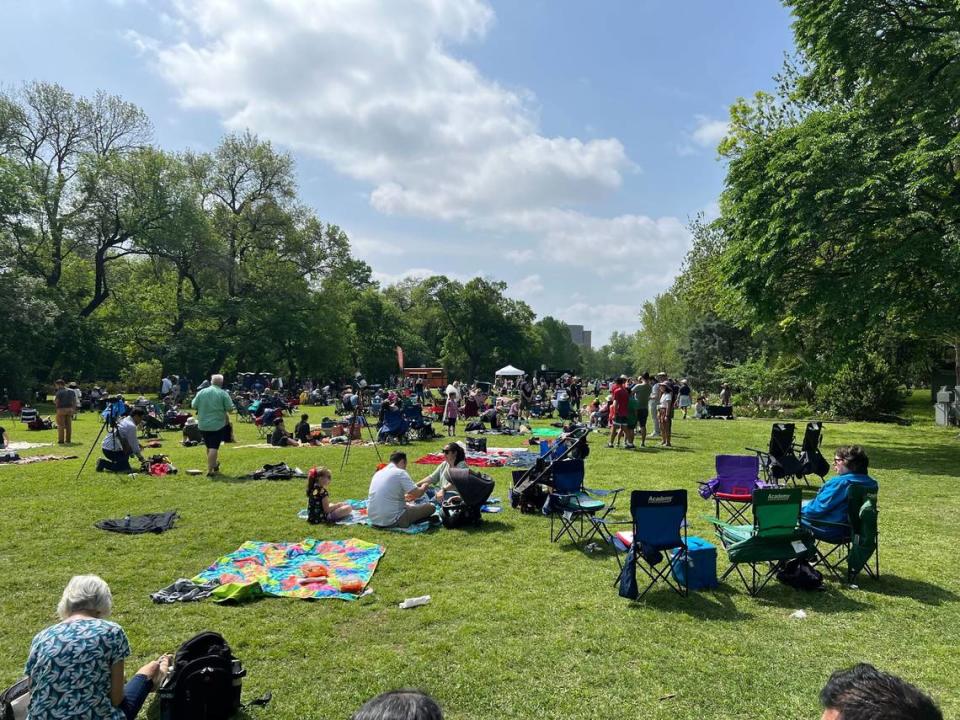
{"type": "Point", "coordinates": [165, 386]}
{"type": "Point", "coordinates": [392, 492]}
{"type": "Point", "coordinates": [120, 443]}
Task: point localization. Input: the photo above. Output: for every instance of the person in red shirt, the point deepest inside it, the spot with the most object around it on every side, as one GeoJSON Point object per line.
{"type": "Point", "coordinates": [621, 404]}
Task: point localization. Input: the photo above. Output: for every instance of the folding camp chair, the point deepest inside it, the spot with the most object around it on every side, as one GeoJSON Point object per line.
{"type": "Point", "coordinates": [659, 527]}
{"type": "Point", "coordinates": [243, 412]}
{"type": "Point", "coordinates": [394, 427]}
{"type": "Point", "coordinates": [779, 463]}
{"type": "Point", "coordinates": [812, 460]}
{"type": "Point", "coordinates": [14, 407]}
{"type": "Point", "coordinates": [774, 537]}
{"type": "Point", "coordinates": [27, 414]}
{"type": "Point", "coordinates": [732, 488]}
{"type": "Point", "coordinates": [570, 504]}
{"type": "Point", "coordinates": [854, 542]}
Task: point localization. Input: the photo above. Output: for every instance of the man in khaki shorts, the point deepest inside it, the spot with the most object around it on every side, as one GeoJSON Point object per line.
{"type": "Point", "coordinates": [66, 404]}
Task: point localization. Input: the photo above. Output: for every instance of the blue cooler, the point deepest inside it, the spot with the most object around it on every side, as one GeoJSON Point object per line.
{"type": "Point", "coordinates": [700, 570]}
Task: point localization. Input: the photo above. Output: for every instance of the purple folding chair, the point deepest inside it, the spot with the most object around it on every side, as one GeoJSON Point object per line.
{"type": "Point", "coordinates": [732, 489]}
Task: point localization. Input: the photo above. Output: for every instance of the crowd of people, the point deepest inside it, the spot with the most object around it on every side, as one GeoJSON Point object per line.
{"type": "Point", "coordinates": [76, 669]}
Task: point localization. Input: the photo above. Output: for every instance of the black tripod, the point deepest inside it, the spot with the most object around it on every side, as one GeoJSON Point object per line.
{"type": "Point", "coordinates": [354, 422]}
{"type": "Point", "coordinates": [108, 421]}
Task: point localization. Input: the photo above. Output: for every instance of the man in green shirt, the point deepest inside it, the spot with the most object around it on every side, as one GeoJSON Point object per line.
{"type": "Point", "coordinates": [213, 406]}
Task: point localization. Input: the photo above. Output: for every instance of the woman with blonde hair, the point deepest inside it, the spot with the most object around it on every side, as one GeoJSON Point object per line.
{"type": "Point", "coordinates": [76, 666]}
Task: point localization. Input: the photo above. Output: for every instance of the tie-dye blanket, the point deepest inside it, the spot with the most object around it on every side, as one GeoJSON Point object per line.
{"type": "Point", "coordinates": [278, 568]}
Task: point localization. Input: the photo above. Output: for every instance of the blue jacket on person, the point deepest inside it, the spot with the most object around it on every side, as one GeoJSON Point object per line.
{"type": "Point", "coordinates": [830, 504]}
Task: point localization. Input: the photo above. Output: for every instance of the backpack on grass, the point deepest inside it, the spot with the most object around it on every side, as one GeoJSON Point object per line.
{"type": "Point", "coordinates": [205, 681]}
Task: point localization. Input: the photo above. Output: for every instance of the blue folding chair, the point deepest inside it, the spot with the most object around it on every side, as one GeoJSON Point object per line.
{"type": "Point", "coordinates": [659, 528]}
{"type": "Point", "coordinates": [570, 503]}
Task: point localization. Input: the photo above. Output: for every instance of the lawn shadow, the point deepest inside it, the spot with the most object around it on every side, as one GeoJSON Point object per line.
{"type": "Point", "coordinates": [703, 605]}
{"type": "Point", "coordinates": [919, 459]}
{"type": "Point", "coordinates": [487, 526]}
{"type": "Point", "coordinates": [828, 601]}
{"type": "Point", "coordinates": [919, 590]}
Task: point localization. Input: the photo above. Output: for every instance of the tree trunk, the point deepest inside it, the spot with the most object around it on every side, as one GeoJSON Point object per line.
{"type": "Point", "coordinates": [100, 291]}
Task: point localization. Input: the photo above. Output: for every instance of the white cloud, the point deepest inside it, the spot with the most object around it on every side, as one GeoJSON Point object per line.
{"type": "Point", "coordinates": [709, 132]}
{"type": "Point", "coordinates": [525, 287]}
{"type": "Point", "coordinates": [520, 256]}
{"type": "Point", "coordinates": [372, 88]}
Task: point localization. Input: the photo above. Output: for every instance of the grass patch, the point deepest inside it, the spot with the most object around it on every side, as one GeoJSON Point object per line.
{"type": "Point", "coordinates": [518, 627]}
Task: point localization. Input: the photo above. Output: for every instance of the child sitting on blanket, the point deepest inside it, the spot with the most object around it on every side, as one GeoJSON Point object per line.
{"type": "Point", "coordinates": [319, 507]}
{"type": "Point", "coordinates": [302, 430]}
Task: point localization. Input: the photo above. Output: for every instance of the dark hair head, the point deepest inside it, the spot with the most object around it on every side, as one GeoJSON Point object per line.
{"type": "Point", "coordinates": [865, 693]}
{"type": "Point", "coordinates": [854, 457]}
{"type": "Point", "coordinates": [458, 449]}
{"type": "Point", "coordinates": [137, 411]}
{"type": "Point", "coordinates": [397, 457]}
{"type": "Point", "coordinates": [304, 417]}
{"type": "Point", "coordinates": [400, 705]}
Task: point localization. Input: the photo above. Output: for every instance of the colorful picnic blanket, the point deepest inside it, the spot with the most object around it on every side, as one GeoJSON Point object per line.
{"type": "Point", "coordinates": [493, 457]}
{"type": "Point", "coordinates": [278, 568]}
{"type": "Point", "coordinates": [359, 517]}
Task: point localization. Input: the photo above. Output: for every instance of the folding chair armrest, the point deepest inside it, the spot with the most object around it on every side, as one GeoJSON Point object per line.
{"type": "Point", "coordinates": [612, 522]}
{"type": "Point", "coordinates": [602, 493]}
{"type": "Point", "coordinates": [719, 523]}
{"type": "Point", "coordinates": [826, 524]}
{"type": "Point", "coordinates": [758, 452]}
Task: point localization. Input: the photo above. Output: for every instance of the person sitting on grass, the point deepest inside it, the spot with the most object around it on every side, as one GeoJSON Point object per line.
{"type": "Point", "coordinates": [302, 430]}
{"type": "Point", "coordinates": [390, 502]}
{"type": "Point", "coordinates": [400, 705]}
{"type": "Point", "coordinates": [454, 456]}
{"type": "Point", "coordinates": [826, 514]}
{"type": "Point", "coordinates": [76, 666]}
{"type": "Point", "coordinates": [4, 440]}
{"type": "Point", "coordinates": [319, 507]}
{"type": "Point", "coordinates": [865, 693]}
{"type": "Point", "coordinates": [280, 437]}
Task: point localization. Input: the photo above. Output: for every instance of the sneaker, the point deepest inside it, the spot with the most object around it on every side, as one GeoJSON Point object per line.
{"type": "Point", "coordinates": [100, 465]}
{"type": "Point", "coordinates": [609, 445]}
{"type": "Point", "coordinates": [629, 446]}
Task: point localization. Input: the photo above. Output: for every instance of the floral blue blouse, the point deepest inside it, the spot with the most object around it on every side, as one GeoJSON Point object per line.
{"type": "Point", "coordinates": [69, 669]}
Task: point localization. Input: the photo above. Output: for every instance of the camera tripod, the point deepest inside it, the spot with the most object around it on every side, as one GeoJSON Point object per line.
{"type": "Point", "coordinates": [354, 422]}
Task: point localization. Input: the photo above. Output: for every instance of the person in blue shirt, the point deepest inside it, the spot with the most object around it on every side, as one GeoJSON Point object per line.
{"type": "Point", "coordinates": [830, 503]}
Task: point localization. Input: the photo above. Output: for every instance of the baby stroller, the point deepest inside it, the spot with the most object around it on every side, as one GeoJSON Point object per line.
{"type": "Point", "coordinates": [394, 427]}
{"type": "Point", "coordinates": [420, 429]}
{"type": "Point", "coordinates": [464, 507]}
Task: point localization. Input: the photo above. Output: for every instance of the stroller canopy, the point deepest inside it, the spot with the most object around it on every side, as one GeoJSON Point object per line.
{"type": "Point", "coordinates": [474, 489]}
{"type": "Point", "coordinates": [509, 371]}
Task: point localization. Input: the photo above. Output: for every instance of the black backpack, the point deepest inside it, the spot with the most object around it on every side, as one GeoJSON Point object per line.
{"type": "Point", "coordinates": [205, 681]}
{"type": "Point", "coordinates": [14, 700]}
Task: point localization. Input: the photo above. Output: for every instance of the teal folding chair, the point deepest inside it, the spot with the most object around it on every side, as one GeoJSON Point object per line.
{"type": "Point", "coordinates": [853, 544]}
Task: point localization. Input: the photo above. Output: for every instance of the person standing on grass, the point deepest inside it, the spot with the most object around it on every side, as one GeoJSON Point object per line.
{"type": "Point", "coordinates": [450, 412]}
{"type": "Point", "coordinates": [621, 408]}
{"type": "Point", "coordinates": [65, 401]}
{"type": "Point", "coordinates": [665, 408]}
{"type": "Point", "coordinates": [684, 399]}
{"type": "Point", "coordinates": [654, 404]}
{"type": "Point", "coordinates": [641, 393]}
{"type": "Point", "coordinates": [213, 406]}
{"type": "Point", "coordinates": [725, 395]}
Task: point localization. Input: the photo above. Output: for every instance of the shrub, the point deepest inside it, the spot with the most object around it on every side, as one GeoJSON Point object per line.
{"type": "Point", "coordinates": [864, 388]}
{"type": "Point", "coordinates": [143, 377]}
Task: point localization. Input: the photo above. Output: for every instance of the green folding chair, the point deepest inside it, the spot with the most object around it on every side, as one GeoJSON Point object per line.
{"type": "Point", "coordinates": [858, 542]}
{"type": "Point", "coordinates": [774, 537]}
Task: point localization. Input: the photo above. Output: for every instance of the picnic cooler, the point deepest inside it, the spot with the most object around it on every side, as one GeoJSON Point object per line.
{"type": "Point", "coordinates": [700, 570]}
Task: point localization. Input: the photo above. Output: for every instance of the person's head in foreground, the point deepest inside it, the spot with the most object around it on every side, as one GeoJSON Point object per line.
{"type": "Point", "coordinates": [85, 595]}
{"type": "Point", "coordinates": [399, 459]}
{"type": "Point", "coordinates": [865, 693]}
{"type": "Point", "coordinates": [216, 380]}
{"type": "Point", "coordinates": [851, 459]}
{"type": "Point", "coordinates": [400, 705]}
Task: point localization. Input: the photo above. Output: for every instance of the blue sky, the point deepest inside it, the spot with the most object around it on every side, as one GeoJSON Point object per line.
{"type": "Point", "coordinates": [558, 145]}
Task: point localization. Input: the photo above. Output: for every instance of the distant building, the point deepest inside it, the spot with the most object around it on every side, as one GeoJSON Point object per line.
{"type": "Point", "coordinates": [582, 338]}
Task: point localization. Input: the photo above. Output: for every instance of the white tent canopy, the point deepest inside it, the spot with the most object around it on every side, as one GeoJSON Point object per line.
{"type": "Point", "coordinates": [509, 371]}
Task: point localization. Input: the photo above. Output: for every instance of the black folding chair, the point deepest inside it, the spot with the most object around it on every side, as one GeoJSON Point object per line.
{"type": "Point", "coordinates": [780, 464]}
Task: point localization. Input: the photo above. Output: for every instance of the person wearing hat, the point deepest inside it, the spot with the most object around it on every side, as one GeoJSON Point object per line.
{"type": "Point", "coordinates": [65, 401]}
{"type": "Point", "coordinates": [654, 403]}
{"type": "Point", "coordinates": [120, 443]}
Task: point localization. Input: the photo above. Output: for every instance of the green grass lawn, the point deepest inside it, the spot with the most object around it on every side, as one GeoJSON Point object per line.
{"type": "Point", "coordinates": [518, 627]}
